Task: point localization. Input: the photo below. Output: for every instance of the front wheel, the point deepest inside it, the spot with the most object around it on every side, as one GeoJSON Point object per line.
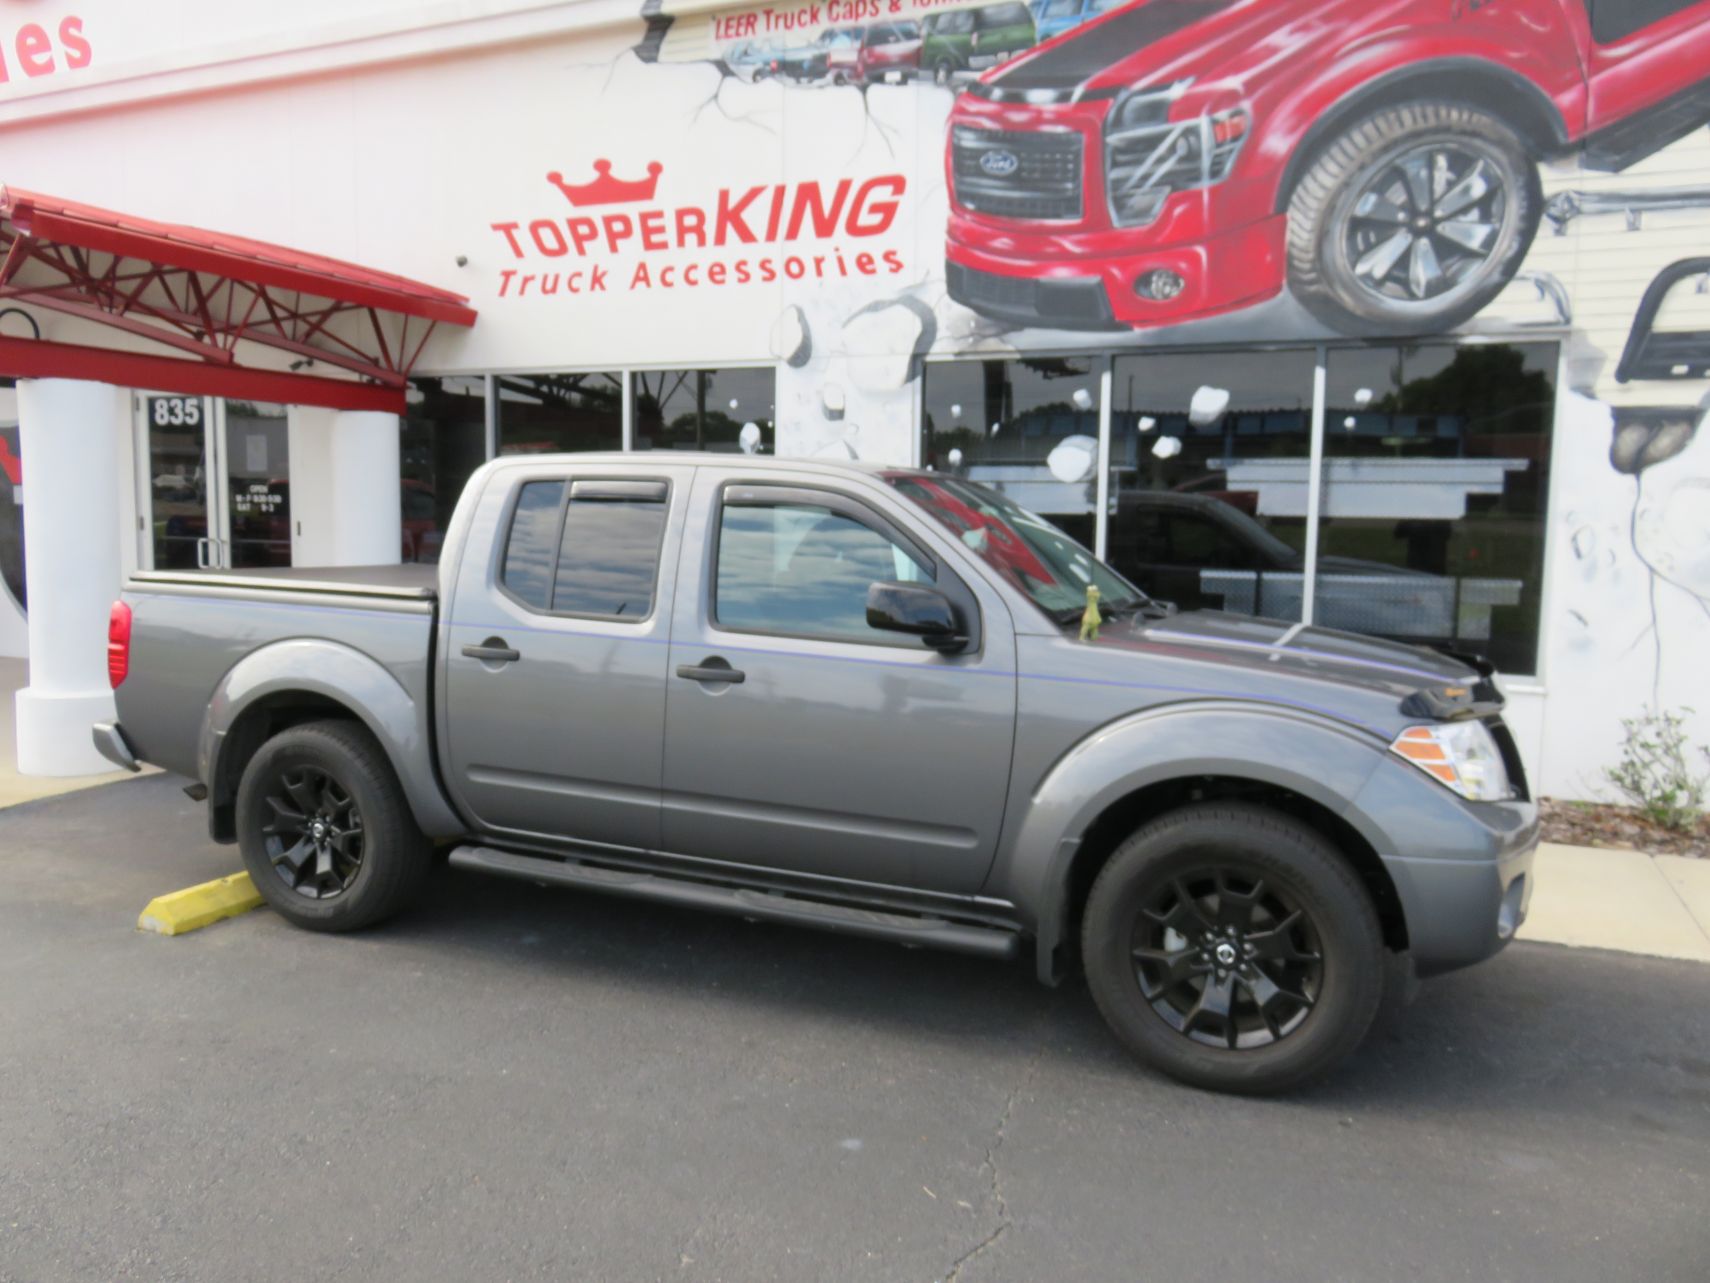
{"type": "Point", "coordinates": [1233, 948]}
{"type": "Point", "coordinates": [942, 72]}
{"type": "Point", "coordinates": [1412, 220]}
{"type": "Point", "coordinates": [325, 830]}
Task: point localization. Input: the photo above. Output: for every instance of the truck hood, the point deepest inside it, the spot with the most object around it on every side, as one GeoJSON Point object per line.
{"type": "Point", "coordinates": [1160, 42]}
{"type": "Point", "coordinates": [1348, 674]}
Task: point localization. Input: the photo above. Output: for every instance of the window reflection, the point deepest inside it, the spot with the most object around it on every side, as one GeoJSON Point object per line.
{"type": "Point", "coordinates": [609, 557]}
{"type": "Point", "coordinates": [803, 570]}
{"type": "Point", "coordinates": [444, 439]}
{"type": "Point", "coordinates": [1026, 428]}
{"type": "Point", "coordinates": [1194, 515]}
{"type": "Point", "coordinates": [559, 413]}
{"type": "Point", "coordinates": [527, 571]}
{"type": "Point", "coordinates": [1436, 476]}
{"type": "Point", "coordinates": [729, 411]}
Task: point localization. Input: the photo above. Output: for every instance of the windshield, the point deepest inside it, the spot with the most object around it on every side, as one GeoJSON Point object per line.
{"type": "Point", "coordinates": [1025, 549]}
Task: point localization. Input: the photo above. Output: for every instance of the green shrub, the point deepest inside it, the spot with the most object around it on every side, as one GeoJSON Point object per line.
{"type": "Point", "coordinates": [1656, 772]}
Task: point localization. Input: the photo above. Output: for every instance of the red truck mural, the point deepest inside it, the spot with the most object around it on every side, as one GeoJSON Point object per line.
{"type": "Point", "coordinates": [1179, 159]}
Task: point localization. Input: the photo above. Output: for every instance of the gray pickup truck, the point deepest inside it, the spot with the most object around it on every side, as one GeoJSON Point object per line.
{"type": "Point", "coordinates": [855, 698]}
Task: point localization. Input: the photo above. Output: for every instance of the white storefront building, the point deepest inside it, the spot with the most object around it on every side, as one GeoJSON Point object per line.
{"type": "Point", "coordinates": [621, 224]}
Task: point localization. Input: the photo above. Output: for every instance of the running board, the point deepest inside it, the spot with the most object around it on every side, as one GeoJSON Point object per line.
{"type": "Point", "coordinates": [901, 928]}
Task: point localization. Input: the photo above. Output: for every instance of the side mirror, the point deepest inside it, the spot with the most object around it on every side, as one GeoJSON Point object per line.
{"type": "Point", "coordinates": [918, 610]}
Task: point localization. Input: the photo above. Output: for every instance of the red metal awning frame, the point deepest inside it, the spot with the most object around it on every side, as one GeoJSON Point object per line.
{"type": "Point", "coordinates": [203, 293]}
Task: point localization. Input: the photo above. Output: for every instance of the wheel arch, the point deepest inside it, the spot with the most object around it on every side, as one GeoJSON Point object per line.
{"type": "Point", "coordinates": [291, 682]}
{"type": "Point", "coordinates": [1132, 810]}
{"type": "Point", "coordinates": [1471, 82]}
{"type": "Point", "coordinates": [1125, 773]}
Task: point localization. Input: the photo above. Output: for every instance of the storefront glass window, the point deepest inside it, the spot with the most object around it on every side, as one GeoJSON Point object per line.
{"type": "Point", "coordinates": [705, 410]}
{"type": "Point", "coordinates": [1209, 456]}
{"type": "Point", "coordinates": [1028, 428]}
{"type": "Point", "coordinates": [559, 413]}
{"type": "Point", "coordinates": [1436, 476]}
{"type": "Point", "coordinates": [444, 440]}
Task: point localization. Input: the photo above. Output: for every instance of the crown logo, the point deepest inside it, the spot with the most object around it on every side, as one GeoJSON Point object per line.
{"type": "Point", "coordinates": [606, 190]}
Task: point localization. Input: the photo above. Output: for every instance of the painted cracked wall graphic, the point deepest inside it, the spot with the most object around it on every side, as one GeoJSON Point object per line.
{"type": "Point", "coordinates": [855, 191]}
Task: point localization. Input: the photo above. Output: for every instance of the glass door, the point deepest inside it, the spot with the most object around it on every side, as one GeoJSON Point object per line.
{"type": "Point", "coordinates": [216, 488]}
{"type": "Point", "coordinates": [255, 474]}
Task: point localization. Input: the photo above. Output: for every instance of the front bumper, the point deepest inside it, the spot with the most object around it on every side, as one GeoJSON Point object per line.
{"type": "Point", "coordinates": [996, 275]}
{"type": "Point", "coordinates": [1460, 911]}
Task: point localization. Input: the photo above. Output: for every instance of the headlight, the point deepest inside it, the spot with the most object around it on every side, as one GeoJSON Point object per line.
{"type": "Point", "coordinates": [1460, 754]}
{"type": "Point", "coordinates": [1148, 156]}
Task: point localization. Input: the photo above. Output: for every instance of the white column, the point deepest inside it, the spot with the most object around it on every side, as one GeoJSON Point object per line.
{"type": "Point", "coordinates": [366, 477]}
{"type": "Point", "coordinates": [345, 488]}
{"type": "Point", "coordinates": [70, 436]}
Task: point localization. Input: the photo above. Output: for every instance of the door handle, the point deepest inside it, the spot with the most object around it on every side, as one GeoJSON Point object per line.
{"type": "Point", "coordinates": [712, 670]}
{"type": "Point", "coordinates": [492, 651]}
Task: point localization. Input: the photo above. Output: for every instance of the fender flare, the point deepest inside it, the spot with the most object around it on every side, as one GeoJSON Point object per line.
{"type": "Point", "coordinates": [1325, 761]}
{"type": "Point", "coordinates": [1528, 108]}
{"type": "Point", "coordinates": [353, 680]}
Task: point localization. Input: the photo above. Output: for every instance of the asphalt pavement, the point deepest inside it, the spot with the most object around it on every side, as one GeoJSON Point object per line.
{"type": "Point", "coordinates": [517, 1083]}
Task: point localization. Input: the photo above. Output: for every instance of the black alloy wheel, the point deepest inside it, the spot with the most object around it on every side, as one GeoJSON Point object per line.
{"type": "Point", "coordinates": [314, 839]}
{"type": "Point", "coordinates": [326, 830]}
{"type": "Point", "coordinates": [1227, 959]}
{"type": "Point", "coordinates": [1233, 947]}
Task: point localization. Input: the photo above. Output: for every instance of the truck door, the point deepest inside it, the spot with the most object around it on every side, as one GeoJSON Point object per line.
{"type": "Point", "coordinates": [799, 738]}
{"type": "Point", "coordinates": [1649, 80]}
{"type": "Point", "coordinates": [556, 647]}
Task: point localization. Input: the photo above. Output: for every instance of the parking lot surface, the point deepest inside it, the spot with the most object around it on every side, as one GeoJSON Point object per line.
{"type": "Point", "coordinates": [518, 1083]}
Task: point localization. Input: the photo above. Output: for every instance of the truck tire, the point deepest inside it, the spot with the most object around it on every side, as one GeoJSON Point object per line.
{"type": "Point", "coordinates": [1233, 948]}
{"type": "Point", "coordinates": [325, 830]}
{"type": "Point", "coordinates": [1412, 220]}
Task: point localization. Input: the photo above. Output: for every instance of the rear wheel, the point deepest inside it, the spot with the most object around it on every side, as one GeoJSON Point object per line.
{"type": "Point", "coordinates": [325, 830]}
{"type": "Point", "coordinates": [1233, 948]}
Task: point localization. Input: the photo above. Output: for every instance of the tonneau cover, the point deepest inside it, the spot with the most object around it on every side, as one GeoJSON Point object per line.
{"type": "Point", "coordinates": [413, 581]}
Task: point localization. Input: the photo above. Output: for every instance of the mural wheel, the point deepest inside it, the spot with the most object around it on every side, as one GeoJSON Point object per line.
{"type": "Point", "coordinates": [942, 72]}
{"type": "Point", "coordinates": [1412, 220]}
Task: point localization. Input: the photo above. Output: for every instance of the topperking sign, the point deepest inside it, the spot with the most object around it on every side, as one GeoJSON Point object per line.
{"type": "Point", "coordinates": [616, 233]}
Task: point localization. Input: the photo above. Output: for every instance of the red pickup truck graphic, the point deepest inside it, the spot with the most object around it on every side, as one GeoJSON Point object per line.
{"type": "Point", "coordinates": [1177, 159]}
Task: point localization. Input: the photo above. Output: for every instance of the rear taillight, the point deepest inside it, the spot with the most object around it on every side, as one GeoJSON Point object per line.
{"type": "Point", "coordinates": [118, 644]}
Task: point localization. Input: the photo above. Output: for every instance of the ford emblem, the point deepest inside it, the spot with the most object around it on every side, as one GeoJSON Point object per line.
{"type": "Point", "coordinates": [999, 163]}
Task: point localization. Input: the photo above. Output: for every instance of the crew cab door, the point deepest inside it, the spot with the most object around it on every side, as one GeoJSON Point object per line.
{"type": "Point", "coordinates": [1644, 55]}
{"type": "Point", "coordinates": [797, 737]}
{"type": "Point", "coordinates": [553, 671]}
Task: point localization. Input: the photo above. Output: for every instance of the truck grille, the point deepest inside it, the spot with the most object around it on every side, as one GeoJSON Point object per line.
{"type": "Point", "coordinates": [1032, 175]}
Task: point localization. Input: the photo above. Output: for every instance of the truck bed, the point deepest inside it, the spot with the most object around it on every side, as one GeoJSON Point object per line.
{"type": "Point", "coordinates": [203, 638]}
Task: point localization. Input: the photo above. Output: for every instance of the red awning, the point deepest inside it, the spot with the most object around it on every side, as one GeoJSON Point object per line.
{"type": "Point", "coordinates": [204, 293]}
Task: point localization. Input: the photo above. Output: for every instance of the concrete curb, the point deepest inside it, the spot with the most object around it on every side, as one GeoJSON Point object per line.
{"type": "Point", "coordinates": [1623, 900]}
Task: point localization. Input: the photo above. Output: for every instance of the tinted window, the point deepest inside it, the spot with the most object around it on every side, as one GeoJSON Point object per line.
{"type": "Point", "coordinates": [705, 410]}
{"type": "Point", "coordinates": [1613, 20]}
{"type": "Point", "coordinates": [1435, 485]}
{"type": "Point", "coordinates": [1004, 15]}
{"type": "Point", "coordinates": [955, 24]}
{"type": "Point", "coordinates": [527, 570]}
{"type": "Point", "coordinates": [608, 557]}
{"type": "Point", "coordinates": [1208, 461]}
{"type": "Point", "coordinates": [552, 413]}
{"type": "Point", "coordinates": [802, 569]}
